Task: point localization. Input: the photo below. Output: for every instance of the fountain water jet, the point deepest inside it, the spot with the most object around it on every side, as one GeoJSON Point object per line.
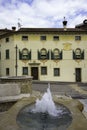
{"type": "Point", "coordinates": [46, 104]}
{"type": "Point", "coordinates": [44, 115]}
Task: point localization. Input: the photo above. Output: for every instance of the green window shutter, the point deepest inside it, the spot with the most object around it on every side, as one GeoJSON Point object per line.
{"type": "Point", "coordinates": [82, 55]}
{"type": "Point", "coordinates": [29, 55]}
{"type": "Point", "coordinates": [61, 56]}
{"type": "Point", "coordinates": [47, 55]}
{"type": "Point", "coordinates": [39, 55]}
{"type": "Point", "coordinates": [74, 57]}
{"type": "Point", "coordinates": [20, 55]}
{"type": "Point", "coordinates": [52, 55]}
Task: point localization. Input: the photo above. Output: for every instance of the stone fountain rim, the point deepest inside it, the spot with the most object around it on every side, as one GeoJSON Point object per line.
{"type": "Point", "coordinates": [79, 122]}
{"type": "Point", "coordinates": [15, 77]}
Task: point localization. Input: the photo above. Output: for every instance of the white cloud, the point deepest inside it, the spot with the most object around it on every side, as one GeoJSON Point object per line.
{"type": "Point", "coordinates": [77, 20]}
{"type": "Point", "coordinates": [42, 13]}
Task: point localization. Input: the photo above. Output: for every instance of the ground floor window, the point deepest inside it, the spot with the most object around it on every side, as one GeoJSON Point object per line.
{"type": "Point", "coordinates": [25, 70]}
{"type": "Point", "coordinates": [7, 71]}
{"type": "Point", "coordinates": [56, 71]}
{"type": "Point", "coordinates": [43, 70]}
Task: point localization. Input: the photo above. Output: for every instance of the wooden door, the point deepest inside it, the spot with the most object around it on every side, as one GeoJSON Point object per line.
{"type": "Point", "coordinates": [34, 73]}
{"type": "Point", "coordinates": [78, 74]}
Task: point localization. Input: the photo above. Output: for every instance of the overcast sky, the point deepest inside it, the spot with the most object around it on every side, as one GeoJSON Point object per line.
{"type": "Point", "coordinates": [42, 13]}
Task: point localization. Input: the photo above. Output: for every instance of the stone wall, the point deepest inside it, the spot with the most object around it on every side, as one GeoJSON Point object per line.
{"type": "Point", "coordinates": [9, 89]}
{"type": "Point", "coordinates": [11, 86]}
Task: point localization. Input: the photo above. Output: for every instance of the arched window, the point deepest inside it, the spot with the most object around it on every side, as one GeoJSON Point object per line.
{"type": "Point", "coordinates": [78, 53]}
{"type": "Point", "coordinates": [43, 53]}
{"type": "Point", "coordinates": [25, 54]}
{"type": "Point", "coordinates": [56, 53]}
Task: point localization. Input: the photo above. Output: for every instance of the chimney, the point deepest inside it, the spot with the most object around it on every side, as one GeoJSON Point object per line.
{"type": "Point", "coordinates": [13, 28]}
{"type": "Point", "coordinates": [65, 24]}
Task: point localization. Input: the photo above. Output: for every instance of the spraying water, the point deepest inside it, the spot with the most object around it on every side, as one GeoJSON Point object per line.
{"type": "Point", "coordinates": [44, 115]}
{"type": "Point", "coordinates": [46, 104]}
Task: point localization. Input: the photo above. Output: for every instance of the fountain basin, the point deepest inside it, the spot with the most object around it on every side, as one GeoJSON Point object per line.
{"type": "Point", "coordinates": [44, 115]}
{"type": "Point", "coordinates": [8, 120]}
{"type": "Point", "coordinates": [28, 119]}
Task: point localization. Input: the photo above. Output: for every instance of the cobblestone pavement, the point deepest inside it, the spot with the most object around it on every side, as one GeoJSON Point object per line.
{"type": "Point", "coordinates": [70, 89]}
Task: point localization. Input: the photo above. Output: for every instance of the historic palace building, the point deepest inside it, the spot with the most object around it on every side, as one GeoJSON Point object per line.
{"type": "Point", "coordinates": [47, 54]}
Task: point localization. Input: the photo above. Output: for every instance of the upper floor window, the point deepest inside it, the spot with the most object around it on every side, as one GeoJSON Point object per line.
{"type": "Point", "coordinates": [7, 39]}
{"type": "Point", "coordinates": [25, 38]}
{"type": "Point", "coordinates": [78, 54]}
{"type": "Point", "coordinates": [55, 38]}
{"type": "Point", "coordinates": [43, 53]}
{"type": "Point", "coordinates": [42, 37]}
{"type": "Point", "coordinates": [56, 53]}
{"type": "Point", "coordinates": [77, 38]}
{"type": "Point", "coordinates": [25, 54]}
{"type": "Point", "coordinates": [7, 54]}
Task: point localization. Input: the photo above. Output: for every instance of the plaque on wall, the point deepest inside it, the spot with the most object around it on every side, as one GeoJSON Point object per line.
{"type": "Point", "coordinates": [67, 46]}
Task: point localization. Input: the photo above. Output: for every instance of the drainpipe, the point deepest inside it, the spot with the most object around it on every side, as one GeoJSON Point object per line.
{"type": "Point", "coordinates": [16, 65]}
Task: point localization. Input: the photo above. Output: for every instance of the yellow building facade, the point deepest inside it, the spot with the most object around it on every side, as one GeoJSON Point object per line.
{"type": "Point", "coordinates": [47, 54]}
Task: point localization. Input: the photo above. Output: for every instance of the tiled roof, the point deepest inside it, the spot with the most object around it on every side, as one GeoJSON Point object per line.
{"type": "Point", "coordinates": [52, 30]}
{"type": "Point", "coordinates": [7, 32]}
{"type": "Point", "coordinates": [48, 29]}
{"type": "Point", "coordinates": [79, 29]}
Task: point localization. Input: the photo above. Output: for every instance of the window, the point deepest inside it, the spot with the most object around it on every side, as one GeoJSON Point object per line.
{"type": "Point", "coordinates": [43, 38]}
{"type": "Point", "coordinates": [43, 70]}
{"type": "Point", "coordinates": [56, 71]}
{"type": "Point", "coordinates": [25, 70]}
{"type": "Point", "coordinates": [55, 38]}
{"type": "Point", "coordinates": [25, 38]}
{"type": "Point", "coordinates": [7, 54]}
{"type": "Point", "coordinates": [25, 54]}
{"type": "Point", "coordinates": [77, 38]}
{"type": "Point", "coordinates": [43, 53]}
{"type": "Point", "coordinates": [7, 71]}
{"type": "Point", "coordinates": [78, 53]}
{"type": "Point", "coordinates": [7, 39]}
{"type": "Point", "coordinates": [56, 53]}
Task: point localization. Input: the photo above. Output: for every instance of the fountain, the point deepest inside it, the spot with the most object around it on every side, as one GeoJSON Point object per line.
{"type": "Point", "coordinates": [46, 104]}
{"type": "Point", "coordinates": [27, 115]}
{"type": "Point", "coordinates": [44, 115]}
